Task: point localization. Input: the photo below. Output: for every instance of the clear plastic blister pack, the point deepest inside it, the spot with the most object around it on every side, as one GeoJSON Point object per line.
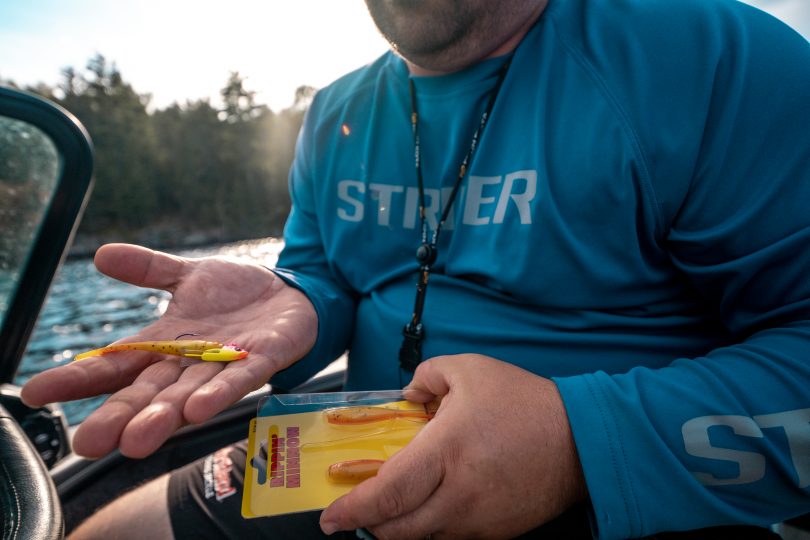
{"type": "Point", "coordinates": [306, 450]}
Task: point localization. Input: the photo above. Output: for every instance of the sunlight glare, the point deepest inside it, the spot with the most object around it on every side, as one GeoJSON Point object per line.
{"type": "Point", "coordinates": [278, 46]}
{"type": "Point", "coordinates": [183, 50]}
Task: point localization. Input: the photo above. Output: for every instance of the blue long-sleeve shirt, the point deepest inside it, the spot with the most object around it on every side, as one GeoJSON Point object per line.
{"type": "Point", "coordinates": [635, 224]}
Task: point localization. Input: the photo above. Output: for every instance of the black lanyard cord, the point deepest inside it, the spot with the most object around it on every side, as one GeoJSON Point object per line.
{"type": "Point", "coordinates": [410, 353]}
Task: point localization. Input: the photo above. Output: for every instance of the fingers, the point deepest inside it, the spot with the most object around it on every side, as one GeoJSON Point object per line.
{"type": "Point", "coordinates": [164, 397]}
{"type": "Point", "coordinates": [396, 497]}
{"type": "Point", "coordinates": [431, 379]}
{"type": "Point", "coordinates": [230, 385]}
{"type": "Point", "coordinates": [83, 379]}
{"type": "Point", "coordinates": [404, 482]}
{"type": "Point", "coordinates": [424, 521]}
{"type": "Point", "coordinates": [141, 417]}
{"type": "Point", "coordinates": [158, 421]}
{"type": "Point", "coordinates": [100, 433]}
{"type": "Point", "coordinates": [140, 266]}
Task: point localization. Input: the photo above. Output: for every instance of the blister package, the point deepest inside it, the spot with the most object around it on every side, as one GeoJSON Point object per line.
{"type": "Point", "coordinates": [306, 450]}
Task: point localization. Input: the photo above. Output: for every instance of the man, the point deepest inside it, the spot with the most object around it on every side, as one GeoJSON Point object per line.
{"type": "Point", "coordinates": [610, 202]}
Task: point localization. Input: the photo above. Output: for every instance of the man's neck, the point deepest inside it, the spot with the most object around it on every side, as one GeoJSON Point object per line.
{"type": "Point", "coordinates": [506, 47]}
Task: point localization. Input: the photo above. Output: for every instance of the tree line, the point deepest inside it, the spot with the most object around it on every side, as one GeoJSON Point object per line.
{"type": "Point", "coordinates": [189, 173]}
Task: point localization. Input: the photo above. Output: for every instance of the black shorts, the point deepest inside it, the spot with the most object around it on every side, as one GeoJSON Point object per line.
{"type": "Point", "coordinates": [205, 501]}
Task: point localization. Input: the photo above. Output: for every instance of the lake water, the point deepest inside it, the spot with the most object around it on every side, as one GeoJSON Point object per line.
{"type": "Point", "coordinates": [86, 310]}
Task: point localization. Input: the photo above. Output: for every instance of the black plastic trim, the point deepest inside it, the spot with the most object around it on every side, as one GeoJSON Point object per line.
{"type": "Point", "coordinates": [59, 223]}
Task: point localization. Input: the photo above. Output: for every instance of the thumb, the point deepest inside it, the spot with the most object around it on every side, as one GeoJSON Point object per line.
{"type": "Point", "coordinates": [432, 379]}
{"type": "Point", "coordinates": [140, 266]}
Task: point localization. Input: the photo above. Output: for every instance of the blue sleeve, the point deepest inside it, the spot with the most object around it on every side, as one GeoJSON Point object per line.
{"type": "Point", "coordinates": [303, 264]}
{"type": "Point", "coordinates": [724, 438]}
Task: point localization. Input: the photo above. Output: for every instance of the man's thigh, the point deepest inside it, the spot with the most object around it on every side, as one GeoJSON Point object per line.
{"type": "Point", "coordinates": [205, 501]}
{"type": "Point", "coordinates": [140, 513]}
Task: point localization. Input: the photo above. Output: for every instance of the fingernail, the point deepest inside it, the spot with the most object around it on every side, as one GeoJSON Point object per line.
{"type": "Point", "coordinates": [329, 527]}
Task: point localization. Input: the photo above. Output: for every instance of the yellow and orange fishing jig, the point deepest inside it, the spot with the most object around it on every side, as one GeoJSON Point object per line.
{"type": "Point", "coordinates": [210, 351]}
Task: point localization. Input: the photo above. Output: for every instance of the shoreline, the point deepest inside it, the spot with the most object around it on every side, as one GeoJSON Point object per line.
{"type": "Point", "coordinates": [84, 246]}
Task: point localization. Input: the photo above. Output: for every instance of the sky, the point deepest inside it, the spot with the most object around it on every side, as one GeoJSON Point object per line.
{"type": "Point", "coordinates": [185, 49]}
{"type": "Point", "coordinates": [179, 50]}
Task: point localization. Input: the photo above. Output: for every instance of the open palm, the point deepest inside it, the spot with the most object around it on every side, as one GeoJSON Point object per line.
{"type": "Point", "coordinates": [153, 395]}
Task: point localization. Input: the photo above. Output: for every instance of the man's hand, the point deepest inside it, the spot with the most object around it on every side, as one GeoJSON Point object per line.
{"type": "Point", "coordinates": [497, 460]}
{"type": "Point", "coordinates": [153, 396]}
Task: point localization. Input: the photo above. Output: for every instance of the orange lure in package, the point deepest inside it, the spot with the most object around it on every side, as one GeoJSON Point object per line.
{"type": "Point", "coordinates": [306, 450]}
